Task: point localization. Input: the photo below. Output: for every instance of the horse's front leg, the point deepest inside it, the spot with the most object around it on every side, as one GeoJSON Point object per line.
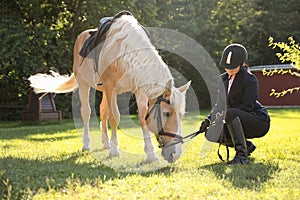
{"type": "Point", "coordinates": [142, 102]}
{"type": "Point", "coordinates": [114, 119]}
{"type": "Point", "coordinates": [84, 91]}
{"type": "Point", "coordinates": [104, 111]}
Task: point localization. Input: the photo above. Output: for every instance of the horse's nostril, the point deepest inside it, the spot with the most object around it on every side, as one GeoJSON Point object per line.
{"type": "Point", "coordinates": [171, 158]}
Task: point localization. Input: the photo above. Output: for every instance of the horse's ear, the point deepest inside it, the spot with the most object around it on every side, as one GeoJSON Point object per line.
{"type": "Point", "coordinates": [184, 88]}
{"type": "Point", "coordinates": [168, 88]}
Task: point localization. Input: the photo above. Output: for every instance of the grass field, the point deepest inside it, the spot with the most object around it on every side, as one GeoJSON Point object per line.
{"type": "Point", "coordinates": [44, 161]}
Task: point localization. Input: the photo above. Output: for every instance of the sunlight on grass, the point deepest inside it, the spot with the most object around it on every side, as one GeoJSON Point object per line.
{"type": "Point", "coordinates": [44, 161]}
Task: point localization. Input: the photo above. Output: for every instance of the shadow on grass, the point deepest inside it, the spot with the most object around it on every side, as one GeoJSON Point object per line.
{"type": "Point", "coordinates": [45, 174]}
{"type": "Point", "coordinates": [253, 175]}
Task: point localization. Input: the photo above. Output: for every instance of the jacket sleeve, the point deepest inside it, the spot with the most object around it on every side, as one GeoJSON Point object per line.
{"type": "Point", "coordinates": [250, 94]}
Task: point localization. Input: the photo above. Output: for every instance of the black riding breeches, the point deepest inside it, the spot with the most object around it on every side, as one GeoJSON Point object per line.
{"type": "Point", "coordinates": [253, 126]}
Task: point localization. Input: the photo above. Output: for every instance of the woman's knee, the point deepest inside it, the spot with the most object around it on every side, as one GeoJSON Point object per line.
{"type": "Point", "coordinates": [231, 113]}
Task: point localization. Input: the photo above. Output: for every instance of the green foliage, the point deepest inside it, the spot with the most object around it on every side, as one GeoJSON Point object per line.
{"type": "Point", "coordinates": [291, 51]}
{"type": "Point", "coordinates": [42, 33]}
{"type": "Point", "coordinates": [44, 161]}
{"type": "Point", "coordinates": [30, 43]}
{"type": "Point", "coordinates": [250, 23]}
{"type": "Point", "coordinates": [291, 55]}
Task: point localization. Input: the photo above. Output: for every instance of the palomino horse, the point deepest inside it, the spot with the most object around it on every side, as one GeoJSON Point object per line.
{"type": "Point", "coordinates": [127, 62]}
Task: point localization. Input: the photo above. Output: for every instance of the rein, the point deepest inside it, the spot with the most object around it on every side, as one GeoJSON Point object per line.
{"type": "Point", "coordinates": [184, 139]}
{"type": "Point", "coordinates": [161, 132]}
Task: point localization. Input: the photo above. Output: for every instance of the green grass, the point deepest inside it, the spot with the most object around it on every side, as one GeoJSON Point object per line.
{"type": "Point", "coordinates": [44, 161]}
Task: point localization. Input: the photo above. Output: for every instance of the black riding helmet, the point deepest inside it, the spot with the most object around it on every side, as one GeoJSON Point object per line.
{"type": "Point", "coordinates": [233, 56]}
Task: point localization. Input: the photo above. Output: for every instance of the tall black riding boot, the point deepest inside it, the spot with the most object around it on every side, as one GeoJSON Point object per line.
{"type": "Point", "coordinates": [236, 132]}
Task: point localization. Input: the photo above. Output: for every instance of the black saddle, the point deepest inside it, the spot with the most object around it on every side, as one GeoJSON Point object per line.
{"type": "Point", "coordinates": [97, 38]}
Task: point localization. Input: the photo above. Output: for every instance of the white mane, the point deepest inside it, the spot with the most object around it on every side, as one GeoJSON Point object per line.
{"type": "Point", "coordinates": [140, 61]}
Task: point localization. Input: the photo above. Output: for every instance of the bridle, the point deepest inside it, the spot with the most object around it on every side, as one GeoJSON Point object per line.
{"type": "Point", "coordinates": [161, 132]}
{"type": "Point", "coordinates": [157, 115]}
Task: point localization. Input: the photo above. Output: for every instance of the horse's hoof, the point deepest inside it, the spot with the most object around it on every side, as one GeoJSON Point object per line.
{"type": "Point", "coordinates": [106, 146]}
{"type": "Point", "coordinates": [152, 158]}
{"type": "Point", "coordinates": [114, 154]}
{"type": "Point", "coordinates": [85, 149]}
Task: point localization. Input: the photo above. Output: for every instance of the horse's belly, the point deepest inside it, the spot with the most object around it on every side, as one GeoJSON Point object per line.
{"type": "Point", "coordinates": [124, 85]}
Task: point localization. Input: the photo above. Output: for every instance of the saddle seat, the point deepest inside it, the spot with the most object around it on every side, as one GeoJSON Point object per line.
{"type": "Point", "coordinates": [97, 38]}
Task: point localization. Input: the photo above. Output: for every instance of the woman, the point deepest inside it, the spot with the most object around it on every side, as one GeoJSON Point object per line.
{"type": "Point", "coordinates": [244, 116]}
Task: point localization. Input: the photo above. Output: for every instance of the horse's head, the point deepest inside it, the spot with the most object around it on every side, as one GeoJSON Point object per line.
{"type": "Point", "coordinates": [164, 119]}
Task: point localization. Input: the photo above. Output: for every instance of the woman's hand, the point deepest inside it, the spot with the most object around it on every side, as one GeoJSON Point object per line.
{"type": "Point", "coordinates": [204, 125]}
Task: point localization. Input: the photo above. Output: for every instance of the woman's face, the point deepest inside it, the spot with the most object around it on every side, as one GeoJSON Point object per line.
{"type": "Point", "coordinates": [232, 72]}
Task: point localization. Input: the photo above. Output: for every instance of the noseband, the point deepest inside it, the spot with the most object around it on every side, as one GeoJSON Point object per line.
{"type": "Point", "coordinates": [157, 115]}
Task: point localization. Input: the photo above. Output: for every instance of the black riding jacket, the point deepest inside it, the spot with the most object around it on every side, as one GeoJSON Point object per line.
{"type": "Point", "coordinates": [243, 95]}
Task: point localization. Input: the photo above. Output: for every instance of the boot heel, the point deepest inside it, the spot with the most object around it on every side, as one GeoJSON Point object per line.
{"type": "Point", "coordinates": [250, 147]}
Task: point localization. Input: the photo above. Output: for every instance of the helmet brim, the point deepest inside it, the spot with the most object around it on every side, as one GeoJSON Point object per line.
{"type": "Point", "coordinates": [226, 66]}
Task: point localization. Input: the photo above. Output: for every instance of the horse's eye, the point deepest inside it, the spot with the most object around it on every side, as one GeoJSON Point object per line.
{"type": "Point", "coordinates": [166, 114]}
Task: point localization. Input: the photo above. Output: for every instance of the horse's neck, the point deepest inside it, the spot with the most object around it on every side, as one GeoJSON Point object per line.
{"type": "Point", "coordinates": [153, 82]}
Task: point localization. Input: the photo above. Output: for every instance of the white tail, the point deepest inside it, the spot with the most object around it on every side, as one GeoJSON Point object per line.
{"type": "Point", "coordinates": [53, 83]}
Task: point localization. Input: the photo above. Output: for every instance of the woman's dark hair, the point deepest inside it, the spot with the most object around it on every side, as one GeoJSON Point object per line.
{"type": "Point", "coordinates": [245, 65]}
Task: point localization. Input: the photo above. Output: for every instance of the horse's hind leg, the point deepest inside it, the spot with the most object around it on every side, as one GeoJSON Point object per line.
{"type": "Point", "coordinates": [84, 91]}
{"type": "Point", "coordinates": [104, 117]}
{"type": "Point", "coordinates": [114, 119]}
